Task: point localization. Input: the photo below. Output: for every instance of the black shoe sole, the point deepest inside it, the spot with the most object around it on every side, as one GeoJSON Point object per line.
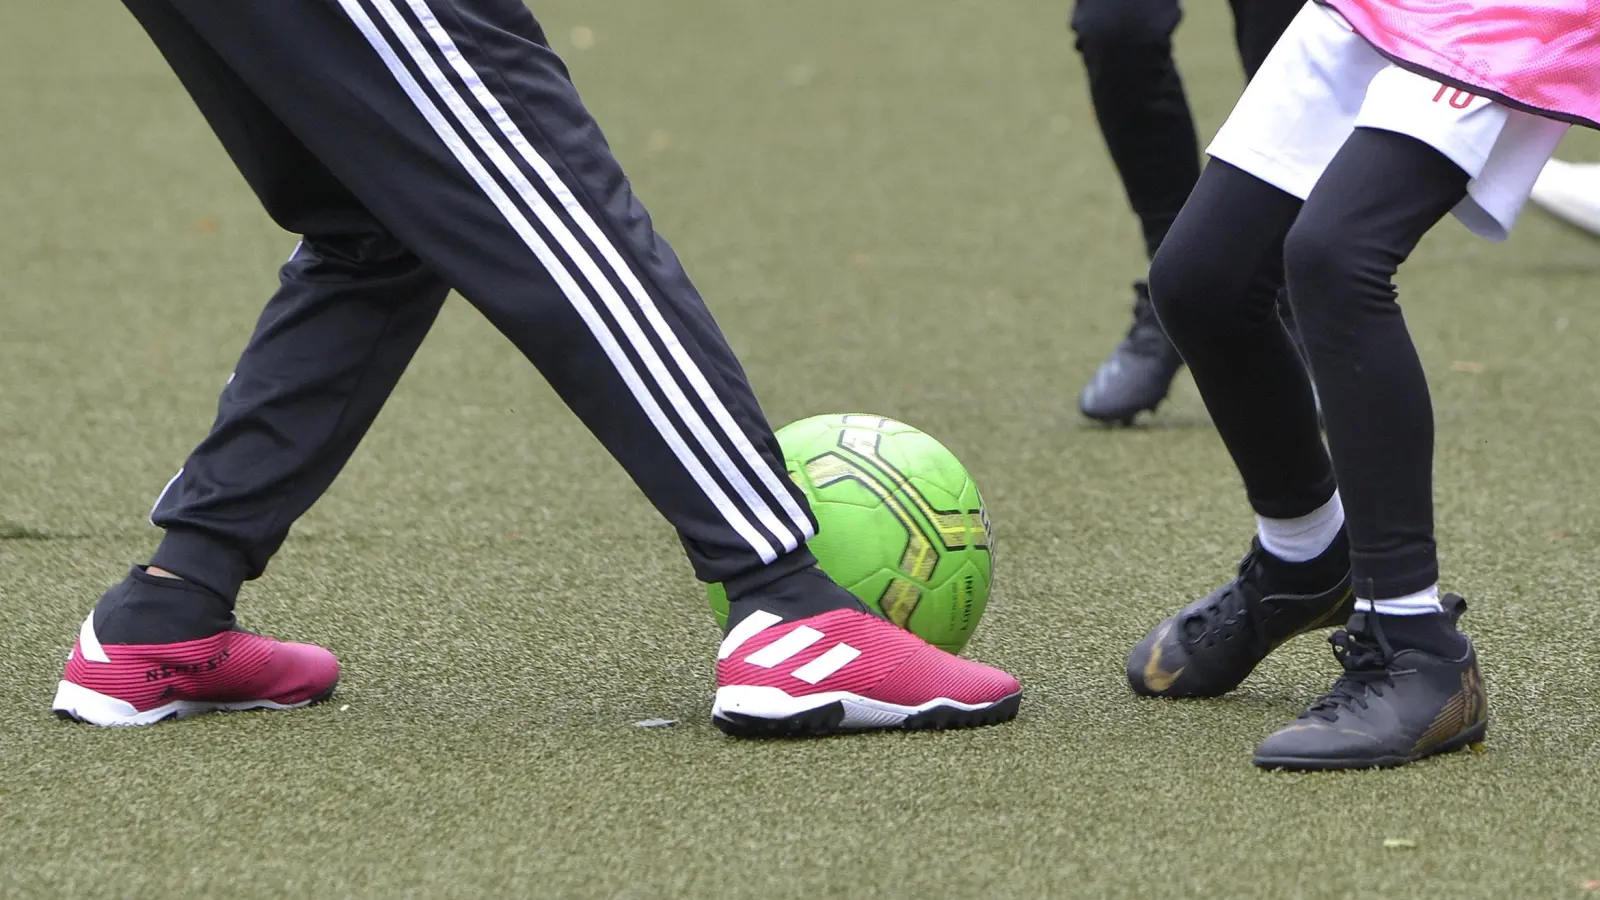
{"type": "Point", "coordinates": [829, 719]}
{"type": "Point", "coordinates": [1473, 737]}
{"type": "Point", "coordinates": [1125, 419]}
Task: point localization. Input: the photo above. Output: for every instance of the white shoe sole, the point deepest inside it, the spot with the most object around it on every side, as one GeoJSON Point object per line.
{"type": "Point", "coordinates": [78, 702]}
{"type": "Point", "coordinates": [749, 709]}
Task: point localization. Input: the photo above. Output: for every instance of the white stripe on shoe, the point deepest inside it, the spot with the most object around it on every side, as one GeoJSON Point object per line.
{"type": "Point", "coordinates": [784, 648]}
{"type": "Point", "coordinates": [774, 481]}
{"type": "Point", "coordinates": [837, 657]}
{"type": "Point", "coordinates": [748, 627]}
{"type": "Point", "coordinates": [580, 302]}
{"type": "Point", "coordinates": [89, 643]}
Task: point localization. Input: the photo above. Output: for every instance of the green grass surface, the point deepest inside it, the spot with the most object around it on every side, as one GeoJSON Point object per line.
{"type": "Point", "coordinates": [894, 206]}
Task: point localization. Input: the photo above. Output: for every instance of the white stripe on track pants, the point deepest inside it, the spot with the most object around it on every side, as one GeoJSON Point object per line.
{"type": "Point", "coordinates": [422, 145]}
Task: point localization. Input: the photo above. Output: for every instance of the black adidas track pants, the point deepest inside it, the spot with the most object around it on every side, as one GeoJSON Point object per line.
{"type": "Point", "coordinates": [425, 145]}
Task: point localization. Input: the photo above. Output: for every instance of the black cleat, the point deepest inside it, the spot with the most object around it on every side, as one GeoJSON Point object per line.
{"type": "Point", "coordinates": [1138, 373]}
{"type": "Point", "coordinates": [1212, 645]}
{"type": "Point", "coordinates": [1392, 705]}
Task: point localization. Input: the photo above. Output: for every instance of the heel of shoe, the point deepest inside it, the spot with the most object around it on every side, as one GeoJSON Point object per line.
{"type": "Point", "coordinates": [74, 701]}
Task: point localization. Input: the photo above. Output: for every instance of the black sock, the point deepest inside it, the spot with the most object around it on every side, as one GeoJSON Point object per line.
{"type": "Point", "coordinates": [1433, 633]}
{"type": "Point", "coordinates": [151, 609]}
{"type": "Point", "coordinates": [1312, 576]}
{"type": "Point", "coordinates": [797, 595]}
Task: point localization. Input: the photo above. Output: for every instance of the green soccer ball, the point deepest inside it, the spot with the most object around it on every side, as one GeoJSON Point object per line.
{"type": "Point", "coordinates": [902, 524]}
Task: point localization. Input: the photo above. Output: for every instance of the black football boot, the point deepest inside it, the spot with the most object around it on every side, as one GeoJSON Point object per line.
{"type": "Point", "coordinates": [1138, 373]}
{"type": "Point", "coordinates": [1210, 646]}
{"type": "Point", "coordinates": [1410, 689]}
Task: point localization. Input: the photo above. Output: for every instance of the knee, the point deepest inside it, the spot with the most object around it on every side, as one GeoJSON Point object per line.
{"type": "Point", "coordinates": [1328, 271]}
{"type": "Point", "coordinates": [1196, 293]}
{"type": "Point", "coordinates": [1116, 29]}
{"type": "Point", "coordinates": [365, 252]}
{"type": "Point", "coordinates": [1316, 251]}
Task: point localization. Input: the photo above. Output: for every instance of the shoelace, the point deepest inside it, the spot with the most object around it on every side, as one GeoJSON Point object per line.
{"type": "Point", "coordinates": [1226, 617]}
{"type": "Point", "coordinates": [1365, 658]}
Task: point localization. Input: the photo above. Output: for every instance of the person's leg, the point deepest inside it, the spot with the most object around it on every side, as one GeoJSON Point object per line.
{"type": "Point", "coordinates": [1140, 104]}
{"type": "Point", "coordinates": [1378, 197]}
{"type": "Point", "coordinates": [458, 127]}
{"type": "Point", "coordinates": [1215, 288]}
{"type": "Point", "coordinates": [1257, 25]}
{"type": "Point", "coordinates": [350, 312]}
{"type": "Point", "coordinates": [1214, 284]}
{"type": "Point", "coordinates": [524, 211]}
{"type": "Point", "coordinates": [351, 309]}
{"type": "Point", "coordinates": [1144, 117]}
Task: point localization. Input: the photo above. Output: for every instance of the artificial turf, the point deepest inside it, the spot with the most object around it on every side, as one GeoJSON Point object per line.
{"type": "Point", "coordinates": [893, 206]}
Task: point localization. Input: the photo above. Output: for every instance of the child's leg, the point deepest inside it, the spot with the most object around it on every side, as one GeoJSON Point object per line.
{"type": "Point", "coordinates": [1411, 685]}
{"type": "Point", "coordinates": [1378, 197]}
{"type": "Point", "coordinates": [1214, 285]}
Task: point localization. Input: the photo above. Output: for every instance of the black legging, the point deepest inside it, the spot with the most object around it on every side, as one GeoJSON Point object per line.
{"type": "Point", "coordinates": [1139, 99]}
{"type": "Point", "coordinates": [1211, 285]}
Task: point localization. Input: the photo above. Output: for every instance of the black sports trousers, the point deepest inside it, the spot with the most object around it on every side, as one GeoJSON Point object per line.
{"type": "Point", "coordinates": [1138, 95]}
{"type": "Point", "coordinates": [1213, 286]}
{"type": "Point", "coordinates": [425, 145]}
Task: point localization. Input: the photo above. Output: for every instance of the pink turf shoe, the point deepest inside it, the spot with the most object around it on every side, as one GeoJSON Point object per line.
{"type": "Point", "coordinates": [847, 670]}
{"type": "Point", "coordinates": [141, 684]}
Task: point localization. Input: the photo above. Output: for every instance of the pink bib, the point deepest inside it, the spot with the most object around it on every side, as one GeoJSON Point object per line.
{"type": "Point", "coordinates": [1542, 56]}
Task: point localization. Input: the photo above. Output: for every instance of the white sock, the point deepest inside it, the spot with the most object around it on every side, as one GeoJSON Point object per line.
{"type": "Point", "coordinates": [1304, 538]}
{"type": "Point", "coordinates": [1419, 604]}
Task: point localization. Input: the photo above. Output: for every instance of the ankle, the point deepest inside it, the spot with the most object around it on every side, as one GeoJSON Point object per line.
{"type": "Point", "coordinates": [199, 558]}
{"type": "Point", "coordinates": [796, 595]}
{"type": "Point", "coordinates": [757, 580]}
{"type": "Point", "coordinates": [157, 609]}
{"type": "Point", "coordinates": [1433, 633]}
{"type": "Point", "coordinates": [1314, 575]}
{"type": "Point", "coordinates": [1302, 538]}
{"type": "Point", "coordinates": [1419, 603]}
